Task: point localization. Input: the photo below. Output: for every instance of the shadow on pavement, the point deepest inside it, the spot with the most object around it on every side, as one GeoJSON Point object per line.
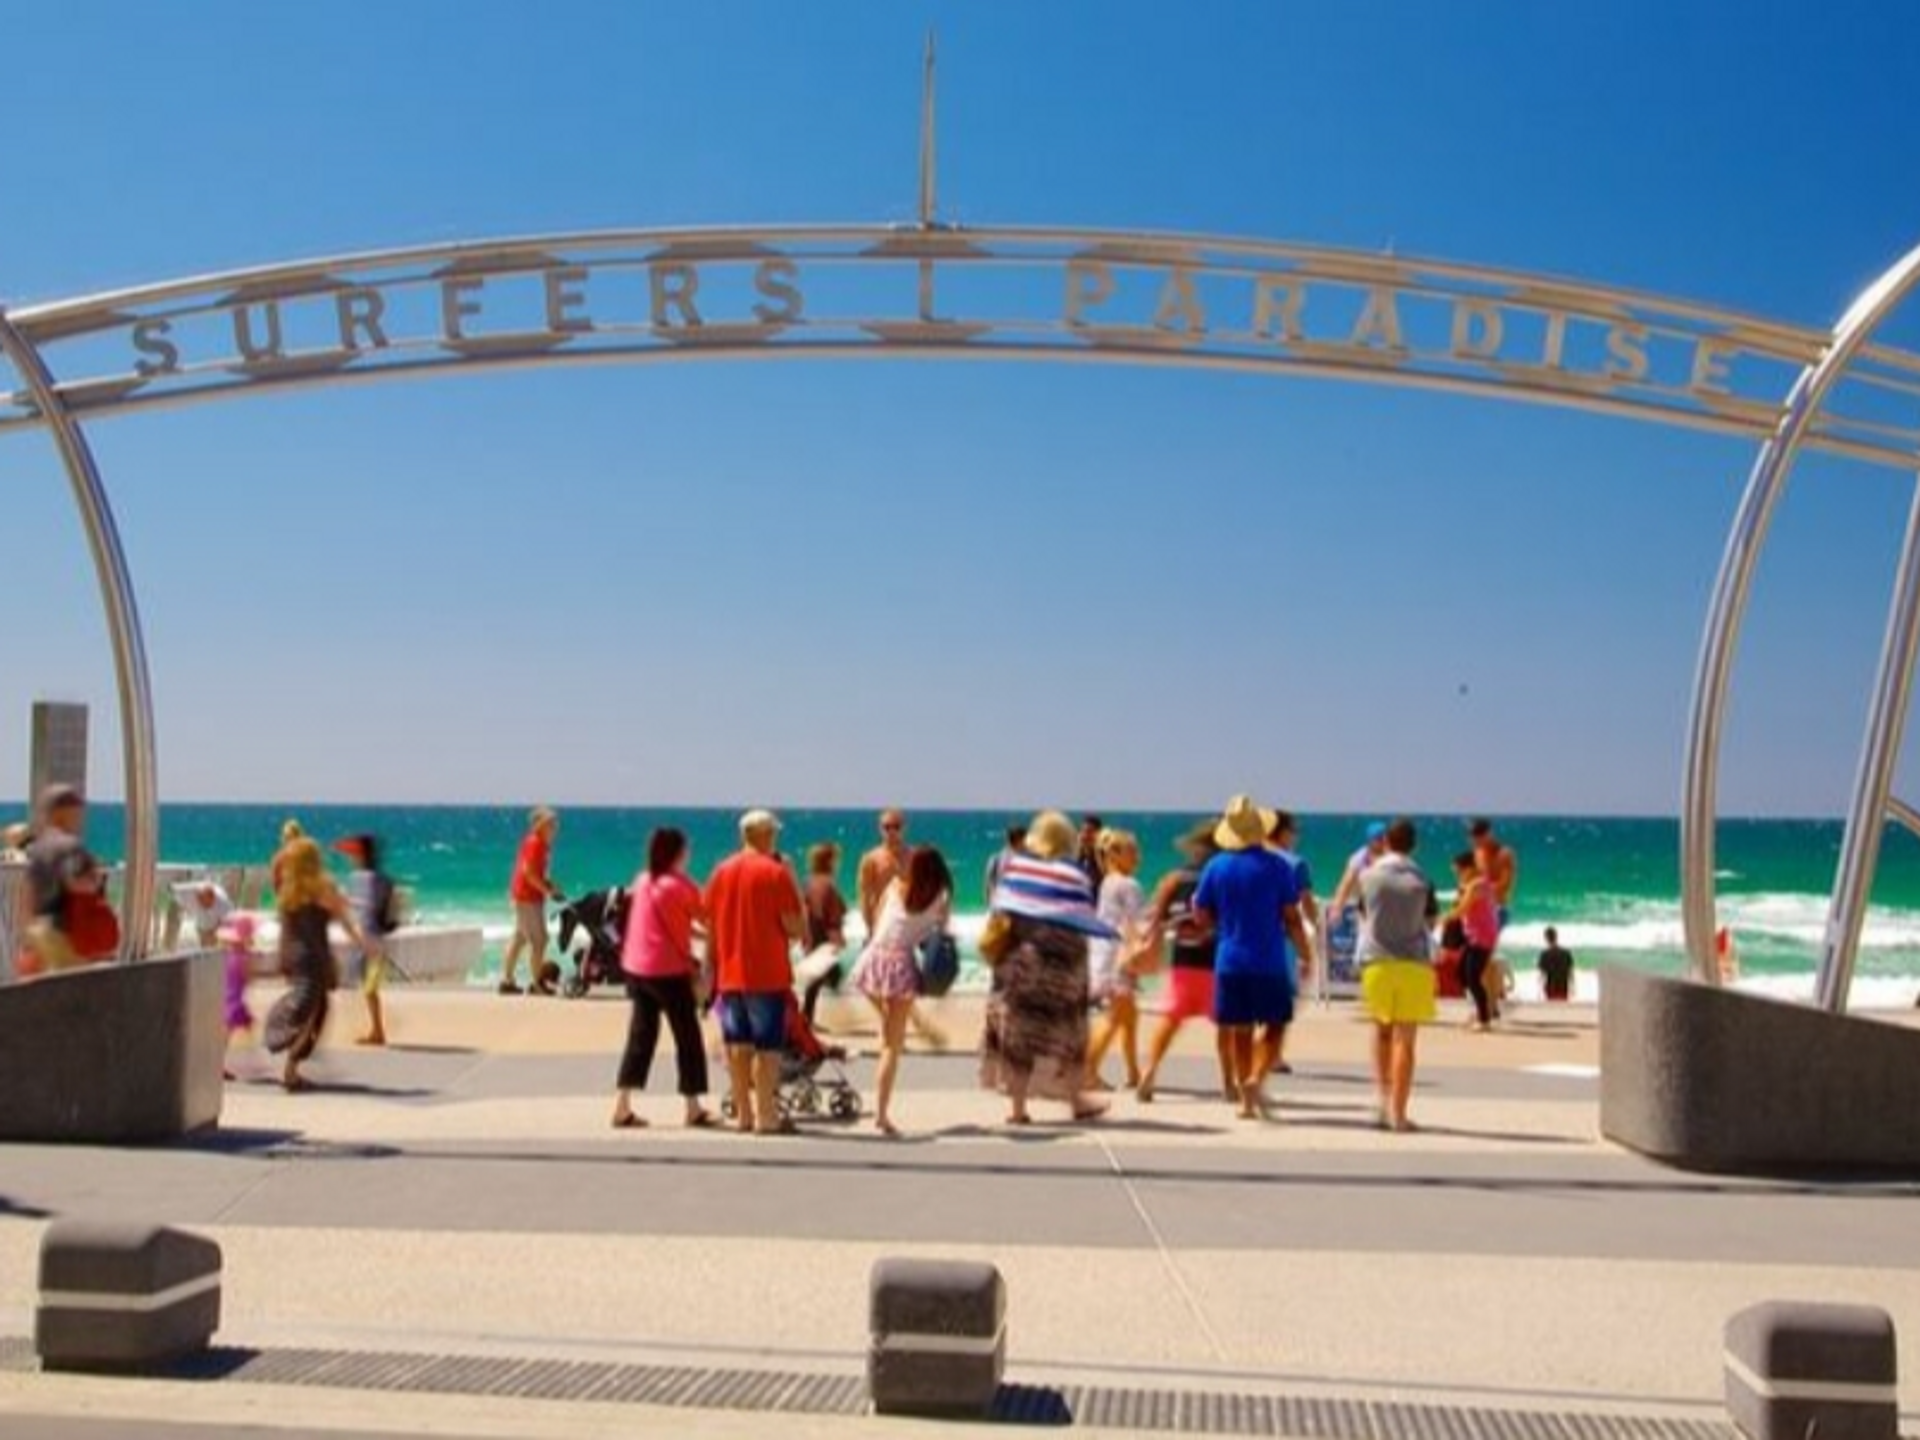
{"type": "Point", "coordinates": [790, 1154]}
{"type": "Point", "coordinates": [10, 1206]}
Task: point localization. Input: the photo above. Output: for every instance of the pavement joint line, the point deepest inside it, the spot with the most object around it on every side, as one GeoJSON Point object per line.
{"type": "Point", "coordinates": [1165, 1252]}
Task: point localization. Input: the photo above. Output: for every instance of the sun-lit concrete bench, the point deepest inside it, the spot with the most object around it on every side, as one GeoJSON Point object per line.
{"type": "Point", "coordinates": [1797, 1368]}
{"type": "Point", "coordinates": [1716, 1079]}
{"type": "Point", "coordinates": [119, 1295]}
{"type": "Point", "coordinates": [113, 1054]}
{"type": "Point", "coordinates": [939, 1339]}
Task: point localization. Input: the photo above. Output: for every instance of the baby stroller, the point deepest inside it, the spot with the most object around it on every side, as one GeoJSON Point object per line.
{"type": "Point", "coordinates": [805, 1093]}
{"type": "Point", "coordinates": [600, 917]}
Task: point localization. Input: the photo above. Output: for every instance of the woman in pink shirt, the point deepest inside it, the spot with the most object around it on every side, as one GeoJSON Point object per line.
{"type": "Point", "coordinates": [1477, 908]}
{"type": "Point", "coordinates": [656, 952]}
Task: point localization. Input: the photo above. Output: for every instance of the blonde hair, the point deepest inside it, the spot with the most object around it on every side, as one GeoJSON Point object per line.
{"type": "Point", "coordinates": [1112, 841]}
{"type": "Point", "coordinates": [540, 815]}
{"type": "Point", "coordinates": [290, 832]}
{"type": "Point", "coordinates": [1051, 836]}
{"type": "Point", "coordinates": [303, 878]}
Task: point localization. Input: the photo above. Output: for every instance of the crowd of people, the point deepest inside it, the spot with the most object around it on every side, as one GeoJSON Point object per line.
{"type": "Point", "coordinates": [1071, 936]}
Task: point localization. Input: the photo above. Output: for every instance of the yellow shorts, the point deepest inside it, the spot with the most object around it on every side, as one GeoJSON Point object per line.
{"type": "Point", "coordinates": [1399, 992]}
{"type": "Point", "coordinates": [375, 974]}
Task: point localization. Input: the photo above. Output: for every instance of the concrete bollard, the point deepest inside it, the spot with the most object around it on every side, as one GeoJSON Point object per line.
{"type": "Point", "coordinates": [939, 1339]}
{"type": "Point", "coordinates": [1796, 1368]}
{"type": "Point", "coordinates": [123, 1295]}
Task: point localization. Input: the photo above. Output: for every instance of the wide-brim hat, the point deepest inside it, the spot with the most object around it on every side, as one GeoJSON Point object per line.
{"type": "Point", "coordinates": [1244, 825]}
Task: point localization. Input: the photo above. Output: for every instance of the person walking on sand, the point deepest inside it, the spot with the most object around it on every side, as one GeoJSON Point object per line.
{"type": "Point", "coordinates": [1398, 910]}
{"type": "Point", "coordinates": [1284, 841]}
{"type": "Point", "coordinates": [236, 938]}
{"type": "Point", "coordinates": [1249, 893]}
{"type": "Point", "coordinates": [1016, 841]}
{"type": "Point", "coordinates": [376, 909]}
{"type": "Point", "coordinates": [530, 888]}
{"type": "Point", "coordinates": [657, 958]}
{"type": "Point", "coordinates": [916, 906]}
{"type": "Point", "coordinates": [1496, 861]}
{"type": "Point", "coordinates": [1189, 993]}
{"type": "Point", "coordinates": [754, 914]}
{"type": "Point", "coordinates": [308, 902]}
{"type": "Point", "coordinates": [1477, 911]}
{"type": "Point", "coordinates": [879, 868]}
{"type": "Point", "coordinates": [290, 831]}
{"type": "Point", "coordinates": [1034, 1041]}
{"type": "Point", "coordinates": [1114, 966]}
{"type": "Point", "coordinates": [826, 927]}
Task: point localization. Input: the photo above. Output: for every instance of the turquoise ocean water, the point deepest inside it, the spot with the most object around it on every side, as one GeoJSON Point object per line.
{"type": "Point", "coordinates": [1610, 885]}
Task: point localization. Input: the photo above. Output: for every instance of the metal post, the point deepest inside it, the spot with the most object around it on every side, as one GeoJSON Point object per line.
{"type": "Point", "coordinates": [123, 630]}
{"type": "Point", "coordinates": [1873, 779]}
{"type": "Point", "coordinates": [1728, 607]}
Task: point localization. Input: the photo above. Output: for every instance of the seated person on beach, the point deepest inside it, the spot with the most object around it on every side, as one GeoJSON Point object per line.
{"type": "Point", "coordinates": [1556, 968]}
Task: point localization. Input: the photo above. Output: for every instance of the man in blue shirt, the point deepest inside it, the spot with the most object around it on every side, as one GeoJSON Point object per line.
{"type": "Point", "coordinates": [1251, 895]}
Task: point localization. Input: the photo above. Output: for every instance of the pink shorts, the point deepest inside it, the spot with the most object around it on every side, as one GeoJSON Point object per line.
{"type": "Point", "coordinates": [1189, 994]}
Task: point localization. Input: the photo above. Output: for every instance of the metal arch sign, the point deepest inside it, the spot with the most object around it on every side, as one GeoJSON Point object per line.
{"type": "Point", "coordinates": [1009, 294]}
{"type": "Point", "coordinates": [995, 293]}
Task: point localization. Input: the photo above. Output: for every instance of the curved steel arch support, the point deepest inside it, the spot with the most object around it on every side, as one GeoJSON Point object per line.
{"type": "Point", "coordinates": [123, 629]}
{"type": "Point", "coordinates": [1732, 586]}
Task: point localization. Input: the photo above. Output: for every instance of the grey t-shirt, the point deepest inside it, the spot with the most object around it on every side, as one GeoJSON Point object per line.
{"type": "Point", "coordinates": [1398, 907]}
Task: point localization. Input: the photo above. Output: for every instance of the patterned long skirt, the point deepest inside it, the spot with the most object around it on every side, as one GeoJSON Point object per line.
{"type": "Point", "coordinates": [297, 1018]}
{"type": "Point", "coordinates": [1037, 1013]}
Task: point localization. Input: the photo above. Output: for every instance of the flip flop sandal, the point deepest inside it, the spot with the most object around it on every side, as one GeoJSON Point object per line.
{"type": "Point", "coordinates": [702, 1120]}
{"type": "Point", "coordinates": [629, 1122]}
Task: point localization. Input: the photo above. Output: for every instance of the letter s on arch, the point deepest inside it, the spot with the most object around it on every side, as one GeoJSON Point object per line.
{"type": "Point", "coordinates": [775, 279]}
{"type": "Point", "coordinates": [150, 339]}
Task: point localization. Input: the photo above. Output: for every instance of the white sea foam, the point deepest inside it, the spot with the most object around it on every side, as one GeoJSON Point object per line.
{"type": "Point", "coordinates": [1778, 937]}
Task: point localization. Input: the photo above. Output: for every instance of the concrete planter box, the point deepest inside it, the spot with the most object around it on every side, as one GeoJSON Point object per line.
{"type": "Point", "coordinates": [114, 1054]}
{"type": "Point", "coordinates": [1713, 1079]}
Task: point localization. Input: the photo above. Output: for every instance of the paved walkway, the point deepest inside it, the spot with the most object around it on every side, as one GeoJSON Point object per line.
{"type": "Point", "coordinates": [463, 1195]}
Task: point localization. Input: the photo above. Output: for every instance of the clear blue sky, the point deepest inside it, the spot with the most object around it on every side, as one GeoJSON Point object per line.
{"type": "Point", "coordinates": [951, 584]}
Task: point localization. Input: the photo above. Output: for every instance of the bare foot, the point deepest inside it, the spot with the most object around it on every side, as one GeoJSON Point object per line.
{"type": "Point", "coordinates": [886, 1127]}
{"type": "Point", "coordinates": [1098, 1086]}
{"type": "Point", "coordinates": [369, 1039]}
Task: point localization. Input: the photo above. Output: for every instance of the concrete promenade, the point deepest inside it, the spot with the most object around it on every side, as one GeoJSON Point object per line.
{"type": "Point", "coordinates": [461, 1194]}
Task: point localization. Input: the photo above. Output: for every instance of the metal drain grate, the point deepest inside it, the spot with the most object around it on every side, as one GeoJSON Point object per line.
{"type": "Point", "coordinates": [1192, 1412]}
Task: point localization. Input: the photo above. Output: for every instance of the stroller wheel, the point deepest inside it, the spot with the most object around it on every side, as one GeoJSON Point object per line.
{"type": "Point", "coordinates": [726, 1106]}
{"type": "Point", "coordinates": [806, 1099]}
{"type": "Point", "coordinates": [575, 987]}
{"type": "Point", "coordinates": [845, 1104]}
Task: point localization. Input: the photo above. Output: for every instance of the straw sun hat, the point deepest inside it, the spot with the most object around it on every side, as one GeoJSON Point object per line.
{"type": "Point", "coordinates": [1244, 826]}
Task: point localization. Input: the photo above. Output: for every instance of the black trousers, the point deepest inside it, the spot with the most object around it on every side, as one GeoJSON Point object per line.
{"type": "Point", "coordinates": [1473, 976]}
{"type": "Point", "coordinates": [671, 996]}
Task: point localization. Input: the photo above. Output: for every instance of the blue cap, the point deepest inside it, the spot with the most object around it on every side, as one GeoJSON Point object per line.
{"type": "Point", "coordinates": [1376, 831]}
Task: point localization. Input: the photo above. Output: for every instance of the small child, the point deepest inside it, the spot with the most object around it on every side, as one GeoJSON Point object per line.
{"type": "Point", "coordinates": [238, 935]}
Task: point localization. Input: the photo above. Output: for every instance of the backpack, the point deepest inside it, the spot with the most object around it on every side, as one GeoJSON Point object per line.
{"type": "Point", "coordinates": [385, 904]}
{"type": "Point", "coordinates": [938, 961]}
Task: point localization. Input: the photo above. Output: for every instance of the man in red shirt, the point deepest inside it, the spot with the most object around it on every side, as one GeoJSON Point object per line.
{"type": "Point", "coordinates": [754, 914]}
{"type": "Point", "coordinates": [530, 888]}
